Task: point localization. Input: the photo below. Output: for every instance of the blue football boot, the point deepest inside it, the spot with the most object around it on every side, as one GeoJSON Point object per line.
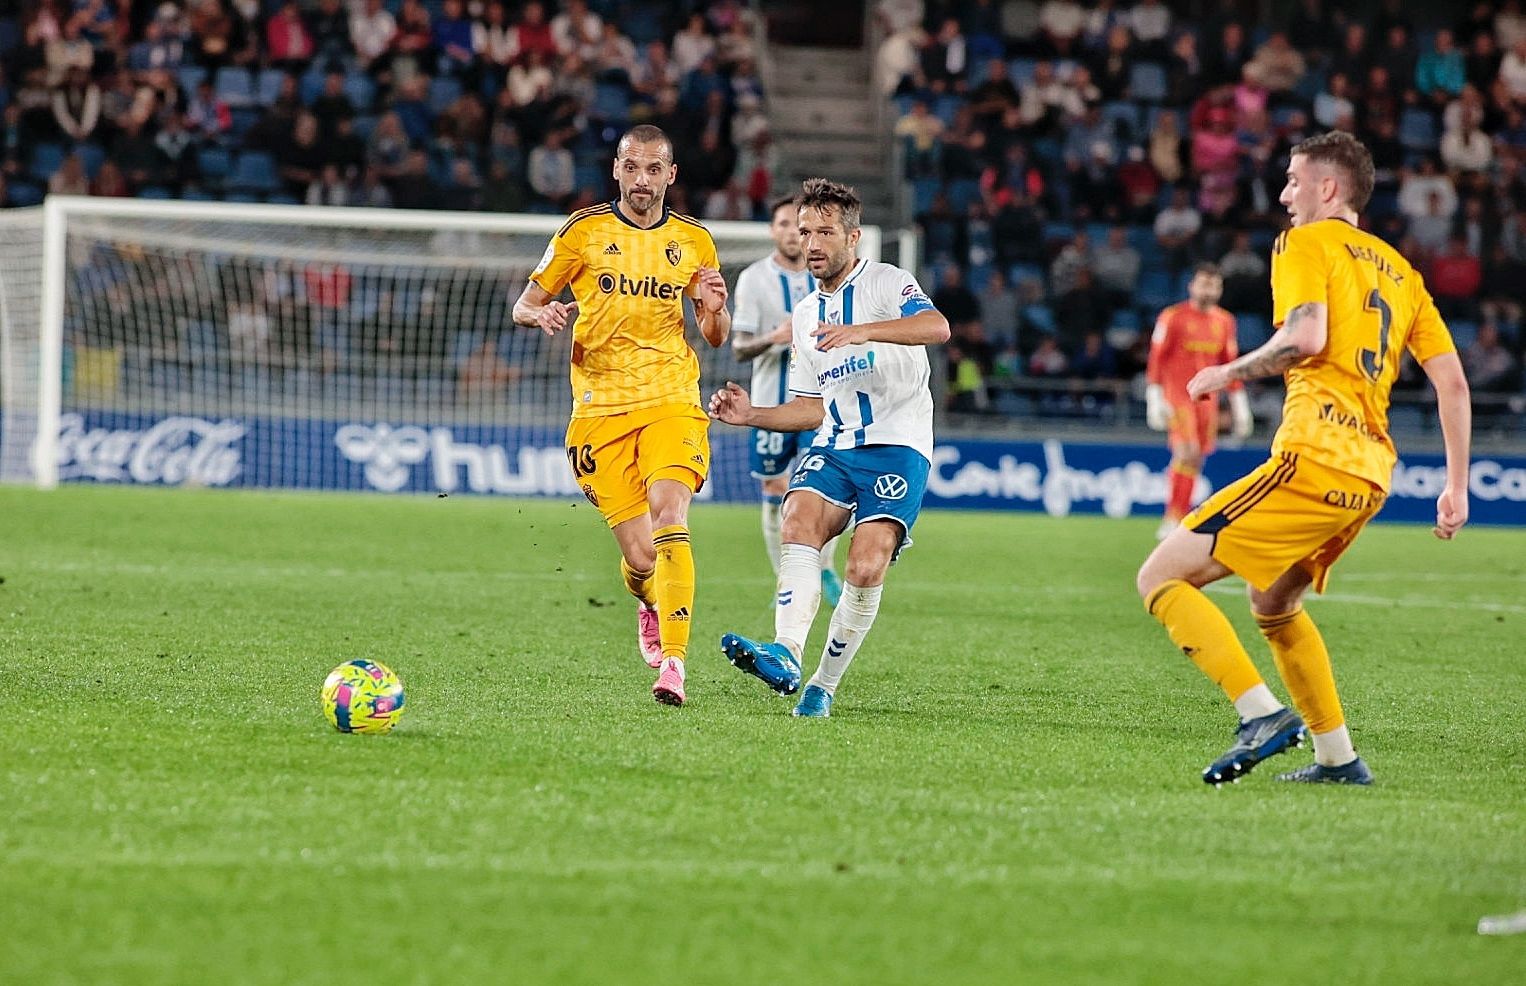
{"type": "Point", "coordinates": [815, 703]}
{"type": "Point", "coordinates": [1255, 740]}
{"type": "Point", "coordinates": [1355, 772]}
{"type": "Point", "coordinates": [773, 663]}
{"type": "Point", "coordinates": [831, 587]}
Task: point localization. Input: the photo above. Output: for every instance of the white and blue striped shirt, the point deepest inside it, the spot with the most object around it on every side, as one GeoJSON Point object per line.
{"type": "Point", "coordinates": [874, 393]}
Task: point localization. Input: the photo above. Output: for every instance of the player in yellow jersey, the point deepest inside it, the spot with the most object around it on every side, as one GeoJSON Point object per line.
{"type": "Point", "coordinates": [637, 442]}
{"type": "Point", "coordinates": [1348, 307]}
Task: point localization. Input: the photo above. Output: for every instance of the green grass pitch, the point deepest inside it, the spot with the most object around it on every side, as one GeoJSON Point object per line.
{"type": "Point", "coordinates": [1008, 790]}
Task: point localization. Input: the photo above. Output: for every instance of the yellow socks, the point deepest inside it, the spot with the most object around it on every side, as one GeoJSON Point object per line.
{"type": "Point", "coordinates": [1304, 664]}
{"type": "Point", "coordinates": [674, 578]}
{"type": "Point", "coordinates": [1205, 635]}
{"type": "Point", "coordinates": [638, 584]}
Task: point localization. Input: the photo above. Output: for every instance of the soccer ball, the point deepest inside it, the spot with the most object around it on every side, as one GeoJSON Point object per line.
{"type": "Point", "coordinates": [362, 696]}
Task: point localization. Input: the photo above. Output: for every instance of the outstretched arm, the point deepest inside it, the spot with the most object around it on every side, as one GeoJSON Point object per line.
{"type": "Point", "coordinates": [1454, 407]}
{"type": "Point", "coordinates": [927, 327]}
{"type": "Point", "coordinates": [1303, 334]}
{"type": "Point", "coordinates": [732, 405]}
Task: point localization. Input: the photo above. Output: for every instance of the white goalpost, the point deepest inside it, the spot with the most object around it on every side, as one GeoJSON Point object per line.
{"type": "Point", "coordinates": [296, 347]}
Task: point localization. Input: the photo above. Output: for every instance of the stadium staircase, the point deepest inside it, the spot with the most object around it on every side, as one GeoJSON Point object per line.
{"type": "Point", "coordinates": [821, 113]}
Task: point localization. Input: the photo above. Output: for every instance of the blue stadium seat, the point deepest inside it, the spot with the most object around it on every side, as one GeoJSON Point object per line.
{"type": "Point", "coordinates": [235, 86]}
{"type": "Point", "coordinates": [1417, 130]}
{"type": "Point", "coordinates": [443, 91]}
{"type": "Point", "coordinates": [1041, 317]}
{"type": "Point", "coordinates": [310, 85]}
{"type": "Point", "coordinates": [1125, 318]}
{"type": "Point", "coordinates": [1251, 331]}
{"type": "Point", "coordinates": [1018, 273]}
{"type": "Point", "coordinates": [1154, 291]}
{"type": "Point", "coordinates": [282, 198]}
{"type": "Point", "coordinates": [364, 124]}
{"type": "Point", "coordinates": [268, 86]}
{"type": "Point", "coordinates": [92, 155]}
{"type": "Point", "coordinates": [241, 197]}
{"type": "Point", "coordinates": [1147, 82]}
{"type": "Point", "coordinates": [10, 36]}
{"type": "Point", "coordinates": [1142, 238]}
{"type": "Point", "coordinates": [643, 23]}
{"type": "Point", "coordinates": [25, 193]}
{"type": "Point", "coordinates": [241, 118]}
{"type": "Point", "coordinates": [361, 89]}
{"type": "Point", "coordinates": [923, 191]}
{"type": "Point", "coordinates": [1020, 71]}
{"type": "Point", "coordinates": [1058, 232]}
{"type": "Point", "coordinates": [1124, 117]}
{"type": "Point", "coordinates": [191, 76]}
{"type": "Point", "coordinates": [1097, 233]}
{"type": "Point", "coordinates": [46, 159]}
{"type": "Point", "coordinates": [197, 195]}
{"type": "Point", "coordinates": [1464, 333]}
{"type": "Point", "coordinates": [611, 103]}
{"type": "Point", "coordinates": [946, 108]}
{"type": "Point", "coordinates": [592, 176]}
{"type": "Point", "coordinates": [962, 192]}
{"type": "Point", "coordinates": [155, 192]}
{"type": "Point", "coordinates": [254, 171]}
{"type": "Point", "coordinates": [215, 163]}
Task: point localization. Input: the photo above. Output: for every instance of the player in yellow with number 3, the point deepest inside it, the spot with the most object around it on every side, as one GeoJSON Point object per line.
{"type": "Point", "coordinates": [1348, 307]}
{"type": "Point", "coordinates": [638, 440]}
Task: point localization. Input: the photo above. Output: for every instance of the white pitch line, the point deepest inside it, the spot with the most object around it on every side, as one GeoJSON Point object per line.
{"type": "Point", "coordinates": [1391, 601]}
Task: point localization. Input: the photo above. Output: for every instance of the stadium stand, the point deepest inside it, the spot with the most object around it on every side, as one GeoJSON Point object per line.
{"type": "Point", "coordinates": [1073, 120]}
{"type": "Point", "coordinates": [1040, 140]}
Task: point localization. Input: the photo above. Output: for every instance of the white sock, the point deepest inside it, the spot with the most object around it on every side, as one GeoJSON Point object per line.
{"type": "Point", "coordinates": [799, 595]}
{"type": "Point", "coordinates": [771, 525]}
{"type": "Point", "coordinates": [1334, 748]}
{"type": "Point", "coordinates": [850, 625]}
{"type": "Point", "coordinates": [1257, 702]}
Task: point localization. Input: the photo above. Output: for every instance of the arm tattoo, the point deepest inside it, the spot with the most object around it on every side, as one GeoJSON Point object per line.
{"type": "Point", "coordinates": [1267, 361]}
{"type": "Point", "coordinates": [1276, 356]}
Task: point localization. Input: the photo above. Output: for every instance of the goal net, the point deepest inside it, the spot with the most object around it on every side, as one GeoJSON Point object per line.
{"type": "Point", "coordinates": [219, 344]}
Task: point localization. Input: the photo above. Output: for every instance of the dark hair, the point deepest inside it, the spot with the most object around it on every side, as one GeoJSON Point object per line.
{"type": "Point", "coordinates": [781, 203]}
{"type": "Point", "coordinates": [822, 193]}
{"type": "Point", "coordinates": [1345, 152]}
{"type": "Point", "coordinates": [1206, 267]}
{"type": "Point", "coordinates": [646, 134]}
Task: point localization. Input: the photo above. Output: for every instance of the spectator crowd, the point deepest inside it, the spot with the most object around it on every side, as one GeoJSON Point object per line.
{"type": "Point", "coordinates": [461, 104]}
{"type": "Point", "coordinates": [1069, 162]}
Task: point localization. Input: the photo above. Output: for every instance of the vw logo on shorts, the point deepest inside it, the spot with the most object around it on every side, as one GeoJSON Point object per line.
{"type": "Point", "coordinates": [890, 487]}
{"type": "Point", "coordinates": [386, 452]}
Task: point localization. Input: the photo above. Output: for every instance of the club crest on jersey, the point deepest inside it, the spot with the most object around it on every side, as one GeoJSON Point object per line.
{"type": "Point", "coordinates": [673, 253]}
{"type": "Point", "coordinates": [890, 486]}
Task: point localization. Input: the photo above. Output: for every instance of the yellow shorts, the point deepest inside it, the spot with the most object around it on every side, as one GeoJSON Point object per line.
{"type": "Point", "coordinates": [1287, 511]}
{"type": "Point", "coordinates": [616, 457]}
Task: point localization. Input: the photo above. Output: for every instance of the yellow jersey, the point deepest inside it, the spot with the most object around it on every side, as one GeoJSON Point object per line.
{"type": "Point", "coordinates": [628, 345]}
{"type": "Point", "coordinates": [1336, 411]}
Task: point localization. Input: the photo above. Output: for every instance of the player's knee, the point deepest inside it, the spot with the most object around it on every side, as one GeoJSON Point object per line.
{"type": "Point", "coordinates": [640, 557]}
{"type": "Point", "coordinates": [867, 571]}
{"type": "Point", "coordinates": [1147, 580]}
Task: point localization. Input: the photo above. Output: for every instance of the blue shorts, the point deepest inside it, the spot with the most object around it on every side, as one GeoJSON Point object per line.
{"type": "Point", "coordinates": [876, 482]}
{"type": "Point", "coordinates": [773, 451]}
